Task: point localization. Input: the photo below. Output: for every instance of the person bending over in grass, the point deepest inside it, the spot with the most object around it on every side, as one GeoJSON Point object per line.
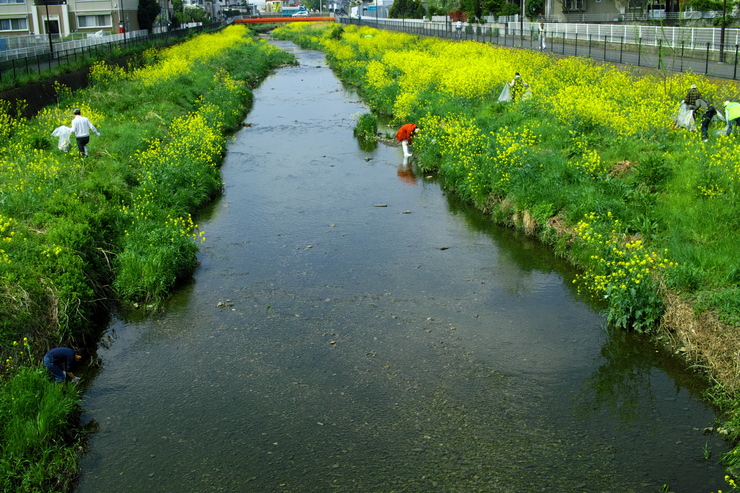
{"type": "Point", "coordinates": [692, 96]}
{"type": "Point", "coordinates": [707, 118]}
{"type": "Point", "coordinates": [59, 362]}
{"type": "Point", "coordinates": [732, 115]}
{"type": "Point", "coordinates": [694, 101]}
{"type": "Point", "coordinates": [81, 127]}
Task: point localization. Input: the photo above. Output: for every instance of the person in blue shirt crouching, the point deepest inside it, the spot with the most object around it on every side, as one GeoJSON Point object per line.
{"type": "Point", "coordinates": [59, 361]}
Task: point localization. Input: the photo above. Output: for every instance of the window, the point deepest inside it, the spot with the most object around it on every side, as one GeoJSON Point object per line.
{"type": "Point", "coordinates": [12, 1]}
{"type": "Point", "coordinates": [91, 21]}
{"type": "Point", "coordinates": [14, 24]}
{"type": "Point", "coordinates": [575, 5]}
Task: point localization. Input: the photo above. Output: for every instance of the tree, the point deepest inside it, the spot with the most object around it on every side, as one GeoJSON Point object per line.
{"type": "Point", "coordinates": [501, 7]}
{"type": "Point", "coordinates": [534, 8]}
{"type": "Point", "coordinates": [177, 9]}
{"type": "Point", "coordinates": [195, 14]}
{"type": "Point", "coordinates": [474, 9]}
{"type": "Point", "coordinates": [147, 13]}
{"type": "Point", "coordinates": [510, 9]}
{"type": "Point", "coordinates": [406, 9]}
{"type": "Point", "coordinates": [442, 7]}
{"type": "Point", "coordinates": [701, 5]}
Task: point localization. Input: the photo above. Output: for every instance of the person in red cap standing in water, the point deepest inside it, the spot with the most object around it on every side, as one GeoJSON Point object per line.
{"type": "Point", "coordinates": [404, 136]}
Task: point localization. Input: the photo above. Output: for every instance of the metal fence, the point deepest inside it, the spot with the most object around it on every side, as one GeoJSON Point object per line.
{"type": "Point", "coordinates": [98, 47]}
{"type": "Point", "coordinates": [675, 49]}
{"type": "Point", "coordinates": [38, 44]}
{"type": "Point", "coordinates": [671, 36]}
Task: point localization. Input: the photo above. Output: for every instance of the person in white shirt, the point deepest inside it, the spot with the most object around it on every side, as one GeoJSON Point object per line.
{"type": "Point", "coordinates": [81, 127]}
{"type": "Point", "coordinates": [541, 34]}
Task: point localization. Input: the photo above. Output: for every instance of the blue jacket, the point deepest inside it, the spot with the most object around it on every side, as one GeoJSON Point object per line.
{"type": "Point", "coordinates": [61, 356]}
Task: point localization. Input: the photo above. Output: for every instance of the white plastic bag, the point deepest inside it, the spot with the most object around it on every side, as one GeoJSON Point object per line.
{"type": "Point", "coordinates": [64, 134]}
{"type": "Point", "coordinates": [505, 95]}
{"type": "Point", "coordinates": [685, 117]}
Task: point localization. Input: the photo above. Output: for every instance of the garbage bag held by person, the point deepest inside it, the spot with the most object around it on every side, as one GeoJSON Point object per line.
{"type": "Point", "coordinates": [64, 134]}
{"type": "Point", "coordinates": [505, 94]}
{"type": "Point", "coordinates": [685, 117]}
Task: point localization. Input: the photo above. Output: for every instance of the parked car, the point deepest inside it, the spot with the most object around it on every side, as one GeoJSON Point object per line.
{"type": "Point", "coordinates": [301, 13]}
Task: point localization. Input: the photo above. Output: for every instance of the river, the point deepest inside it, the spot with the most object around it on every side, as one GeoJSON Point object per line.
{"type": "Point", "coordinates": [351, 327]}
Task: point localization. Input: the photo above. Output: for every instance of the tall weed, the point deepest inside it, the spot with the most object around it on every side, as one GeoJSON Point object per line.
{"type": "Point", "coordinates": [35, 434]}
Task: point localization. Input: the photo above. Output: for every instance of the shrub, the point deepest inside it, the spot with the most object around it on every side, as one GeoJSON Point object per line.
{"type": "Point", "coordinates": [35, 433]}
{"type": "Point", "coordinates": [367, 126]}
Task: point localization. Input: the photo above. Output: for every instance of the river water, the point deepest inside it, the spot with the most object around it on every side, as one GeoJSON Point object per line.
{"type": "Point", "coordinates": [353, 328]}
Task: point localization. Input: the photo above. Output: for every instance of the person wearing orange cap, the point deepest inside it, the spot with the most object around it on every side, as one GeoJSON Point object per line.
{"type": "Point", "coordinates": [404, 136]}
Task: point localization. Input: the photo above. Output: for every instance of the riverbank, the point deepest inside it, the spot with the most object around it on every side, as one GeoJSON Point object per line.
{"type": "Point", "coordinates": [79, 235]}
{"type": "Point", "coordinates": [588, 164]}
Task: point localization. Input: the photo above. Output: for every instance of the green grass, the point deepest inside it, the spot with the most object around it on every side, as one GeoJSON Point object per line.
{"type": "Point", "coordinates": [38, 433]}
{"type": "Point", "coordinates": [79, 62]}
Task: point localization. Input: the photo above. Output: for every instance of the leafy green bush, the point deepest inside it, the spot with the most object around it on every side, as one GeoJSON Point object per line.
{"type": "Point", "coordinates": [367, 126]}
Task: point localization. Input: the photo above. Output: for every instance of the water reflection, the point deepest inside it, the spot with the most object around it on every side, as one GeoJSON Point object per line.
{"type": "Point", "coordinates": [405, 173]}
{"type": "Point", "coordinates": [622, 382]}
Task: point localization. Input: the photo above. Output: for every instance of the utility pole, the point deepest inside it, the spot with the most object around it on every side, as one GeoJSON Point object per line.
{"type": "Point", "coordinates": [722, 32]}
{"type": "Point", "coordinates": [521, 21]}
{"type": "Point", "coordinates": [48, 28]}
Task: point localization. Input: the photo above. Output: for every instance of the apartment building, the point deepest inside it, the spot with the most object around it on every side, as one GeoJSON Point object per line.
{"type": "Point", "coordinates": [63, 17]}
